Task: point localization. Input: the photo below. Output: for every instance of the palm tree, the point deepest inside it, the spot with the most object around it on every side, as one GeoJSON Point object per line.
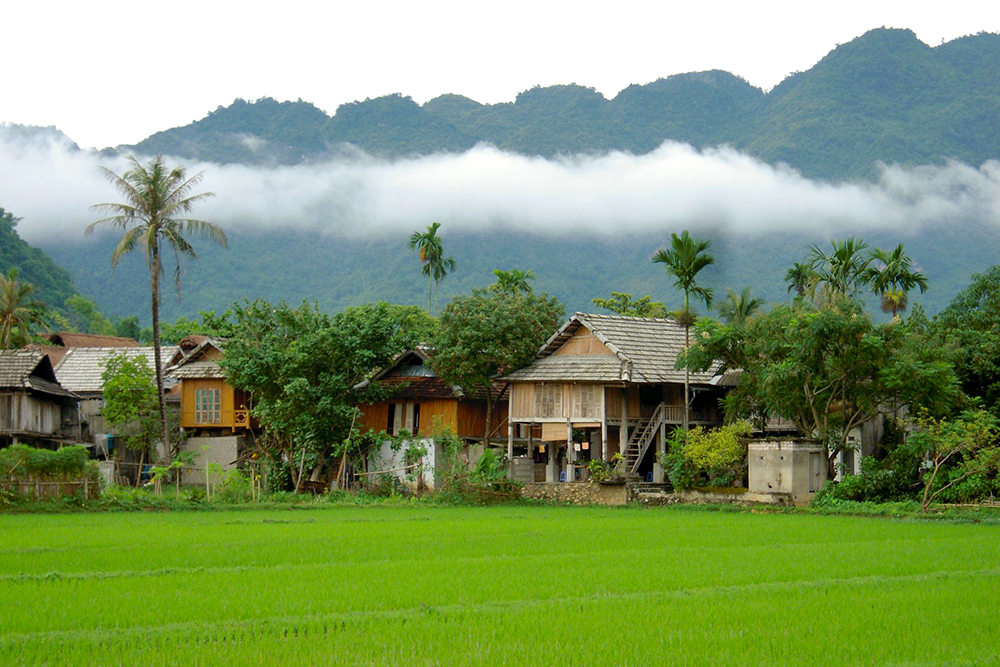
{"type": "Point", "coordinates": [683, 261]}
{"type": "Point", "coordinates": [843, 270]}
{"type": "Point", "coordinates": [894, 278]}
{"type": "Point", "coordinates": [738, 308]}
{"type": "Point", "coordinates": [435, 265]}
{"type": "Point", "coordinates": [513, 282]}
{"type": "Point", "coordinates": [18, 311]}
{"type": "Point", "coordinates": [153, 216]}
{"type": "Point", "coordinates": [800, 277]}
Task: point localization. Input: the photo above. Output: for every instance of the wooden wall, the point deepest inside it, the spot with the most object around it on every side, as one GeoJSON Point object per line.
{"type": "Point", "coordinates": [24, 413]}
{"type": "Point", "coordinates": [465, 418]}
{"type": "Point", "coordinates": [583, 342]}
{"type": "Point", "coordinates": [228, 402]}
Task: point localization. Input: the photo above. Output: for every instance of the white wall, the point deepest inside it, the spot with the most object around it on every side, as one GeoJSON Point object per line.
{"type": "Point", "coordinates": [387, 459]}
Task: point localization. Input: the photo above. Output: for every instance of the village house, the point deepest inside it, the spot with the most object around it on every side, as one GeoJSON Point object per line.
{"type": "Point", "coordinates": [81, 371]}
{"type": "Point", "coordinates": [214, 415]}
{"type": "Point", "coordinates": [422, 404]}
{"type": "Point", "coordinates": [604, 385]}
{"type": "Point", "coordinates": [34, 408]}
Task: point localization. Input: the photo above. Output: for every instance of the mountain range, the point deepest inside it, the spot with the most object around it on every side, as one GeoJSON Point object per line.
{"type": "Point", "coordinates": [884, 97]}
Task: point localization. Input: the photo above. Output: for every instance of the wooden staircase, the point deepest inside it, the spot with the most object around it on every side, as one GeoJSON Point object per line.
{"type": "Point", "coordinates": [642, 436]}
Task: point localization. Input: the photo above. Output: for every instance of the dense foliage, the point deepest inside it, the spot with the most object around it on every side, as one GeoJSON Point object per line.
{"type": "Point", "coordinates": [130, 402]}
{"type": "Point", "coordinates": [301, 366]}
{"type": "Point", "coordinates": [53, 283]}
{"type": "Point", "coordinates": [884, 96]}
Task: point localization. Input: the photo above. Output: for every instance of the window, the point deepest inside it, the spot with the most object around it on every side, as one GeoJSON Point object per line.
{"type": "Point", "coordinates": [416, 419]}
{"type": "Point", "coordinates": [587, 400]}
{"type": "Point", "coordinates": [548, 400]}
{"type": "Point", "coordinates": [208, 406]}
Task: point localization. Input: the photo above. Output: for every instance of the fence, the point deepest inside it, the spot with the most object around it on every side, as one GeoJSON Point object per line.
{"type": "Point", "coordinates": [40, 489]}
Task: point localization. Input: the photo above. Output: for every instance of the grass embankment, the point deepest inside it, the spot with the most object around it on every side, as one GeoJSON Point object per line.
{"type": "Point", "coordinates": [519, 585]}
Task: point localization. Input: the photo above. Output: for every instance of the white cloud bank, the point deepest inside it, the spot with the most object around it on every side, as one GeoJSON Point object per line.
{"type": "Point", "coordinates": [52, 187]}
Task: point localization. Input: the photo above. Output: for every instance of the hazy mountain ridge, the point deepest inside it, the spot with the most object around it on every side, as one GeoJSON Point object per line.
{"type": "Point", "coordinates": [884, 96]}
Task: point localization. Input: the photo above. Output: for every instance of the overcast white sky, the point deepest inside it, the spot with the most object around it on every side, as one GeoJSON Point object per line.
{"type": "Point", "coordinates": [109, 73]}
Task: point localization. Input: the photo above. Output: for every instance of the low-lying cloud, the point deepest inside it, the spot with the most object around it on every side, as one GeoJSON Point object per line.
{"type": "Point", "coordinates": [49, 184]}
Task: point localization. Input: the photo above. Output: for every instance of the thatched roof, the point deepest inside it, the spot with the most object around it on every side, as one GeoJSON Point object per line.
{"type": "Point", "coordinates": [73, 339]}
{"type": "Point", "coordinates": [644, 351]}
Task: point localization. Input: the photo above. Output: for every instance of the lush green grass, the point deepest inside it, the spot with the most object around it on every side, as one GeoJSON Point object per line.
{"type": "Point", "coordinates": [503, 585]}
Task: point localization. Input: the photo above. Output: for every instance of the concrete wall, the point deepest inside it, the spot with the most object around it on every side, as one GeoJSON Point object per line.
{"type": "Point", "coordinates": [580, 493]}
{"type": "Point", "coordinates": [786, 468]}
{"type": "Point", "coordinates": [221, 449]}
{"type": "Point", "coordinates": [387, 459]}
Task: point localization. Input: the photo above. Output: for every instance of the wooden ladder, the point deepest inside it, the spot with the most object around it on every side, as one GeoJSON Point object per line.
{"type": "Point", "coordinates": [642, 437]}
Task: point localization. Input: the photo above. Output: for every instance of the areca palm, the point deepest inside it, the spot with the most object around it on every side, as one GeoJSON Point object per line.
{"type": "Point", "coordinates": [842, 271]}
{"type": "Point", "coordinates": [892, 277]}
{"type": "Point", "coordinates": [800, 278]}
{"type": "Point", "coordinates": [434, 264]}
{"type": "Point", "coordinates": [513, 282]}
{"type": "Point", "coordinates": [153, 217]}
{"type": "Point", "coordinates": [18, 311]}
{"type": "Point", "coordinates": [684, 260]}
{"type": "Point", "coordinates": [739, 307]}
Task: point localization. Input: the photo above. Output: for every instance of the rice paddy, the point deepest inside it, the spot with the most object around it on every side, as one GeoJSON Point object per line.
{"type": "Point", "coordinates": [515, 585]}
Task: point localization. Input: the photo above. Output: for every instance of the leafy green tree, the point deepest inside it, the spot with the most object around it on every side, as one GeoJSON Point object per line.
{"type": "Point", "coordinates": [19, 312]}
{"type": "Point", "coordinates": [827, 369]}
{"type": "Point", "coordinates": [301, 366]}
{"type": "Point", "coordinates": [971, 325]}
{"type": "Point", "coordinates": [413, 322]}
{"type": "Point", "coordinates": [969, 440]}
{"type": "Point", "coordinates": [128, 327]}
{"type": "Point", "coordinates": [514, 281]}
{"type": "Point", "coordinates": [130, 402]}
{"type": "Point", "coordinates": [153, 217]}
{"type": "Point", "coordinates": [434, 263]}
{"type": "Point", "coordinates": [684, 260]}
{"type": "Point", "coordinates": [739, 307]}
{"type": "Point", "coordinates": [892, 276]}
{"type": "Point", "coordinates": [623, 304]}
{"type": "Point", "coordinates": [206, 324]}
{"type": "Point", "coordinates": [486, 334]}
{"type": "Point", "coordinates": [842, 272]}
{"type": "Point", "coordinates": [83, 315]}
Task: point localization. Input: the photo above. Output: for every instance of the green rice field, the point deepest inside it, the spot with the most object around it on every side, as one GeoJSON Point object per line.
{"type": "Point", "coordinates": [512, 585]}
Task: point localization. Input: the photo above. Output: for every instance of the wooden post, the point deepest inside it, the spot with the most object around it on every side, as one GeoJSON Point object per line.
{"type": "Point", "coordinates": [604, 424]}
{"type": "Point", "coordinates": [510, 426]}
{"type": "Point", "coordinates": [623, 433]}
{"type": "Point", "coordinates": [570, 453]}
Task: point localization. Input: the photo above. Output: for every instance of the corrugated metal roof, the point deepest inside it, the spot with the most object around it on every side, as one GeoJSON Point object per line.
{"type": "Point", "coordinates": [645, 351]}
{"type": "Point", "coordinates": [81, 369]}
{"type": "Point", "coordinates": [29, 369]}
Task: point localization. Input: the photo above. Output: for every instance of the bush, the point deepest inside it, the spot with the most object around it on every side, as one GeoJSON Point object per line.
{"type": "Point", "coordinates": [22, 461]}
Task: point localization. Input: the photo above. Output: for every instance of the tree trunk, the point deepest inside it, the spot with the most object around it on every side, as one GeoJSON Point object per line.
{"type": "Point", "coordinates": [157, 361]}
{"type": "Point", "coordinates": [489, 420]}
{"type": "Point", "coordinates": [687, 384]}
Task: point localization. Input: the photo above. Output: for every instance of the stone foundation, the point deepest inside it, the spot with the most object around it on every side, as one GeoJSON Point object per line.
{"type": "Point", "coordinates": [579, 493]}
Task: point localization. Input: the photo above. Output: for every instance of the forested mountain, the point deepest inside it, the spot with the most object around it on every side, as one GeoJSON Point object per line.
{"type": "Point", "coordinates": [53, 283]}
{"type": "Point", "coordinates": [885, 96]}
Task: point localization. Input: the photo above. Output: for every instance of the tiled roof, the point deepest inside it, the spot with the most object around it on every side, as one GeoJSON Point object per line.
{"type": "Point", "coordinates": [28, 369]}
{"type": "Point", "coordinates": [196, 370]}
{"type": "Point", "coordinates": [81, 369]}
{"type": "Point", "coordinates": [645, 350]}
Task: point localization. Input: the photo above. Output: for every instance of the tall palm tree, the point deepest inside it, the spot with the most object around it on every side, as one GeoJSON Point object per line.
{"type": "Point", "coordinates": [18, 311]}
{"type": "Point", "coordinates": [435, 265]}
{"type": "Point", "coordinates": [683, 261]}
{"type": "Point", "coordinates": [842, 271]}
{"type": "Point", "coordinates": [153, 217]}
{"type": "Point", "coordinates": [892, 276]}
{"type": "Point", "coordinates": [800, 277]}
{"type": "Point", "coordinates": [739, 307]}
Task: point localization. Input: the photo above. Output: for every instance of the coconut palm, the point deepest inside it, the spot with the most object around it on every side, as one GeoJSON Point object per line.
{"type": "Point", "coordinates": [843, 271]}
{"type": "Point", "coordinates": [892, 276]}
{"type": "Point", "coordinates": [739, 307]}
{"type": "Point", "coordinates": [18, 311]}
{"type": "Point", "coordinates": [153, 217]}
{"type": "Point", "coordinates": [435, 265]}
{"type": "Point", "coordinates": [683, 261]}
{"type": "Point", "coordinates": [800, 278]}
